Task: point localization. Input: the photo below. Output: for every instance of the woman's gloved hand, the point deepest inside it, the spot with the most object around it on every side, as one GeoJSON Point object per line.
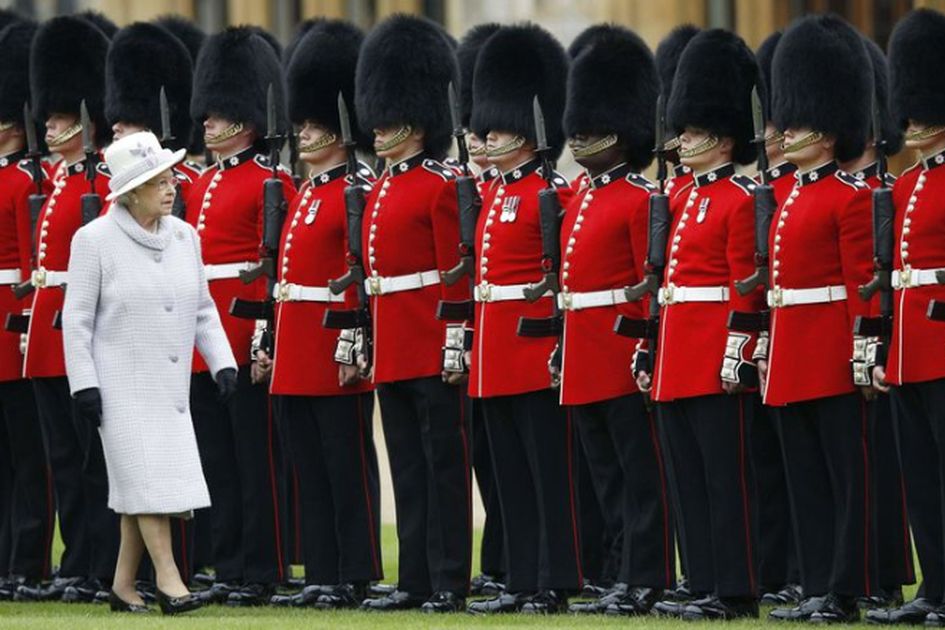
{"type": "Point", "coordinates": [226, 384]}
{"type": "Point", "coordinates": [88, 404]}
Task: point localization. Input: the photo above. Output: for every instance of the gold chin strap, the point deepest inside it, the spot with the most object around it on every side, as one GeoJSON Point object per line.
{"type": "Point", "coordinates": [226, 134]}
{"type": "Point", "coordinates": [706, 145]}
{"type": "Point", "coordinates": [65, 136]}
{"type": "Point", "coordinates": [672, 144]}
{"type": "Point", "coordinates": [326, 140]}
{"type": "Point", "coordinates": [402, 134]}
{"type": "Point", "coordinates": [514, 144]}
{"type": "Point", "coordinates": [810, 138]}
{"type": "Point", "coordinates": [477, 151]}
{"type": "Point", "coordinates": [775, 138]}
{"type": "Point", "coordinates": [4, 126]}
{"type": "Point", "coordinates": [926, 133]}
{"type": "Point", "coordinates": [595, 147]}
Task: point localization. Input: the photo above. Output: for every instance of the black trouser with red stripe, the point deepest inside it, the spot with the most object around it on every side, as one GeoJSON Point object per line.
{"type": "Point", "coordinates": [333, 448]}
{"type": "Point", "coordinates": [238, 450]}
{"type": "Point", "coordinates": [532, 443]}
{"type": "Point", "coordinates": [623, 453]}
{"type": "Point", "coordinates": [27, 510]}
{"type": "Point", "coordinates": [919, 412]}
{"type": "Point", "coordinates": [491, 554]}
{"type": "Point", "coordinates": [894, 566]}
{"type": "Point", "coordinates": [426, 429]}
{"type": "Point", "coordinates": [708, 440]}
{"type": "Point", "coordinates": [830, 481]}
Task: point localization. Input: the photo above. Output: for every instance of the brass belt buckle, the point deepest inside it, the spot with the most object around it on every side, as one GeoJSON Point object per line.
{"type": "Point", "coordinates": [777, 297]}
{"type": "Point", "coordinates": [283, 294]}
{"type": "Point", "coordinates": [905, 277]}
{"type": "Point", "coordinates": [39, 278]}
{"type": "Point", "coordinates": [485, 292]}
{"type": "Point", "coordinates": [374, 284]}
{"type": "Point", "coordinates": [666, 293]}
{"type": "Point", "coordinates": [567, 300]}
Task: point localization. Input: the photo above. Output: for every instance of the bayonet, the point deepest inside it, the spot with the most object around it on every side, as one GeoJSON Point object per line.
{"type": "Point", "coordinates": [758, 121]}
{"type": "Point", "coordinates": [167, 134]}
{"type": "Point", "coordinates": [347, 137]}
{"type": "Point", "coordinates": [459, 131]}
{"type": "Point", "coordinates": [91, 203]}
{"type": "Point", "coordinates": [659, 148]}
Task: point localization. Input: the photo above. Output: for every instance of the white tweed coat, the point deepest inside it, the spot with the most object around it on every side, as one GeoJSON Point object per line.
{"type": "Point", "coordinates": [136, 304]}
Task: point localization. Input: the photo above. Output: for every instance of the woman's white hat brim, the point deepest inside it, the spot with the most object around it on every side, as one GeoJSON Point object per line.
{"type": "Point", "coordinates": [172, 159]}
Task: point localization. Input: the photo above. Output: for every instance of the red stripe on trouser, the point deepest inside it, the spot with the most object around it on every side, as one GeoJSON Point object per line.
{"type": "Point", "coordinates": [866, 498]}
{"type": "Point", "coordinates": [367, 493]}
{"type": "Point", "coordinates": [275, 494]}
{"type": "Point", "coordinates": [574, 525]}
{"type": "Point", "coordinates": [746, 517]}
{"type": "Point", "coordinates": [667, 559]}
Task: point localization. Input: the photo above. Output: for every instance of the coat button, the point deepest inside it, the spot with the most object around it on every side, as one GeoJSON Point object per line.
{"type": "Point", "coordinates": [173, 358]}
{"type": "Point", "coordinates": [158, 258]}
{"type": "Point", "coordinates": [168, 308]}
{"type": "Point", "coordinates": [181, 407]}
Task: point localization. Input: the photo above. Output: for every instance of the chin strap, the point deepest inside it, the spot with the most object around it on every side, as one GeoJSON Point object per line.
{"type": "Point", "coordinates": [706, 145]}
{"type": "Point", "coordinates": [926, 133]}
{"type": "Point", "coordinates": [595, 147]}
{"type": "Point", "coordinates": [808, 139]}
{"type": "Point", "coordinates": [402, 134]}
{"type": "Point", "coordinates": [514, 144]}
{"type": "Point", "coordinates": [226, 134]}
{"type": "Point", "coordinates": [65, 136]}
{"type": "Point", "coordinates": [325, 141]}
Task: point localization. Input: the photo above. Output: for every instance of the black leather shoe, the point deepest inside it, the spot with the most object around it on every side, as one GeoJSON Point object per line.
{"type": "Point", "coordinates": [7, 589]}
{"type": "Point", "coordinates": [84, 592]}
{"type": "Point", "coordinates": [935, 619]}
{"type": "Point", "coordinates": [501, 603]}
{"type": "Point", "coordinates": [681, 593]}
{"type": "Point", "coordinates": [486, 584]}
{"type": "Point", "coordinates": [599, 605]}
{"type": "Point", "coordinates": [343, 596]}
{"type": "Point", "coordinates": [177, 605]}
{"type": "Point", "coordinates": [117, 604]}
{"type": "Point", "coordinates": [146, 590]}
{"type": "Point", "coordinates": [592, 590]}
{"type": "Point", "coordinates": [306, 597]}
{"type": "Point", "coordinates": [37, 592]}
{"type": "Point", "coordinates": [203, 579]}
{"type": "Point", "coordinates": [376, 589]}
{"type": "Point", "coordinates": [801, 612]}
{"type": "Point", "coordinates": [912, 613]}
{"type": "Point", "coordinates": [721, 609]}
{"type": "Point", "coordinates": [788, 595]}
{"type": "Point", "coordinates": [218, 593]}
{"type": "Point", "coordinates": [673, 608]}
{"type": "Point", "coordinates": [251, 595]}
{"type": "Point", "coordinates": [837, 609]}
{"type": "Point", "coordinates": [398, 600]}
{"type": "Point", "coordinates": [444, 602]}
{"type": "Point", "coordinates": [884, 598]}
{"type": "Point", "coordinates": [637, 601]}
{"type": "Point", "coordinates": [547, 602]}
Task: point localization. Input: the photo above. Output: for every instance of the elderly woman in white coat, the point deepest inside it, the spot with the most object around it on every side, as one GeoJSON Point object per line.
{"type": "Point", "coordinates": [136, 305]}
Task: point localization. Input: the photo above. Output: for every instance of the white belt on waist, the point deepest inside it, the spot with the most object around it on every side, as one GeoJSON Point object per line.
{"type": "Point", "coordinates": [575, 301]}
{"type": "Point", "coordinates": [778, 297]}
{"type": "Point", "coordinates": [485, 292]}
{"type": "Point", "coordinates": [9, 276]}
{"type": "Point", "coordinates": [380, 285]}
{"type": "Point", "coordinates": [227, 271]}
{"type": "Point", "coordinates": [288, 292]}
{"type": "Point", "coordinates": [908, 277]}
{"type": "Point", "coordinates": [42, 278]}
{"type": "Point", "coordinates": [671, 294]}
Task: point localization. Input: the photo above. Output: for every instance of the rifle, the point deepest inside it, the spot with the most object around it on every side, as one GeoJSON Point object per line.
{"type": "Point", "coordinates": [549, 215]}
{"type": "Point", "coordinates": [36, 200]}
{"type": "Point", "coordinates": [274, 211]}
{"type": "Point", "coordinates": [354, 212]}
{"type": "Point", "coordinates": [294, 157]}
{"type": "Point", "coordinates": [469, 204]}
{"type": "Point", "coordinates": [91, 201]}
{"type": "Point", "coordinates": [883, 212]}
{"type": "Point", "coordinates": [167, 136]}
{"type": "Point", "coordinates": [658, 228]}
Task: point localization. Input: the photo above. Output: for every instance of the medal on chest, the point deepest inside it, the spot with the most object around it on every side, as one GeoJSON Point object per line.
{"type": "Point", "coordinates": [703, 209]}
{"type": "Point", "coordinates": [312, 212]}
{"type": "Point", "coordinates": [509, 209]}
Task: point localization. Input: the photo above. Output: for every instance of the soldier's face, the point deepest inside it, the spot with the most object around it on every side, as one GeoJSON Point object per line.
{"type": "Point", "coordinates": [922, 137]}
{"type": "Point", "coordinates": [701, 150]}
{"type": "Point", "coordinates": [219, 137]}
{"type": "Point", "coordinates": [773, 144]}
{"type": "Point", "coordinates": [477, 150]}
{"type": "Point", "coordinates": [807, 154]}
{"type": "Point", "coordinates": [122, 129]}
{"type": "Point", "coordinates": [58, 128]}
{"type": "Point", "coordinates": [599, 160]}
{"type": "Point", "coordinates": [505, 161]}
{"type": "Point", "coordinates": [12, 138]}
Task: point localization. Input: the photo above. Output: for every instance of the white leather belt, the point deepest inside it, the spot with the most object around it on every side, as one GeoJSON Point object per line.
{"type": "Point", "coordinates": [227, 271]}
{"type": "Point", "coordinates": [379, 285]}
{"type": "Point", "coordinates": [485, 292]}
{"type": "Point", "coordinates": [671, 294]}
{"type": "Point", "coordinates": [778, 297]}
{"type": "Point", "coordinates": [42, 278]}
{"type": "Point", "coordinates": [908, 277]}
{"type": "Point", "coordinates": [9, 276]}
{"type": "Point", "coordinates": [575, 301]}
{"type": "Point", "coordinates": [288, 292]}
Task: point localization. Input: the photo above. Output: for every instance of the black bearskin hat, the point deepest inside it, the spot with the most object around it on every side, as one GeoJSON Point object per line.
{"type": "Point", "coordinates": [67, 65]}
{"type": "Point", "coordinates": [186, 31]}
{"type": "Point", "coordinates": [300, 34]}
{"type": "Point", "coordinates": [889, 128]}
{"type": "Point", "coordinates": [232, 78]}
{"type": "Point", "coordinates": [667, 55]}
{"type": "Point", "coordinates": [15, 39]}
{"type": "Point", "coordinates": [612, 88]}
{"type": "Point", "coordinates": [467, 54]}
{"type": "Point", "coordinates": [764, 55]}
{"type": "Point", "coordinates": [269, 39]}
{"type": "Point", "coordinates": [323, 64]}
{"type": "Point", "coordinates": [822, 79]}
{"type": "Point", "coordinates": [516, 64]}
{"type": "Point", "coordinates": [7, 18]}
{"type": "Point", "coordinates": [403, 74]}
{"type": "Point", "coordinates": [712, 90]}
{"type": "Point", "coordinates": [916, 60]}
{"type": "Point", "coordinates": [99, 20]}
{"type": "Point", "coordinates": [142, 59]}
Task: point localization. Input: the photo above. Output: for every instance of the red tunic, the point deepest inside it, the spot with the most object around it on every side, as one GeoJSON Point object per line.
{"type": "Point", "coordinates": [607, 219]}
{"type": "Point", "coordinates": [226, 207]}
{"type": "Point", "coordinates": [411, 225]}
{"type": "Point", "coordinates": [508, 245]}
{"type": "Point", "coordinates": [822, 237]}
{"type": "Point", "coordinates": [711, 245]}
{"type": "Point", "coordinates": [680, 181]}
{"type": "Point", "coordinates": [59, 220]}
{"type": "Point", "coordinates": [781, 178]}
{"type": "Point", "coordinates": [314, 243]}
{"type": "Point", "coordinates": [915, 352]}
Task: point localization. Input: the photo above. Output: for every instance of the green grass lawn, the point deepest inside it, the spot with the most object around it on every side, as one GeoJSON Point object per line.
{"type": "Point", "coordinates": [92, 617]}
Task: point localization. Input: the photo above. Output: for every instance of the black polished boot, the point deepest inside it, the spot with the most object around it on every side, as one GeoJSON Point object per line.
{"type": "Point", "coordinates": [801, 612]}
{"type": "Point", "coordinates": [343, 596]}
{"type": "Point", "coordinates": [251, 595]}
{"type": "Point", "coordinates": [444, 602]}
{"type": "Point", "coordinates": [911, 613]}
{"type": "Point", "coordinates": [721, 609]}
{"type": "Point", "coordinates": [837, 609]}
{"type": "Point", "coordinates": [398, 600]}
{"type": "Point", "coordinates": [546, 602]}
{"type": "Point", "coordinates": [501, 603]}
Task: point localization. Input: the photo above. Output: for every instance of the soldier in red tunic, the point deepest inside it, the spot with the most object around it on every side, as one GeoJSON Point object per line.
{"type": "Point", "coordinates": [26, 503]}
{"type": "Point", "coordinates": [411, 235]}
{"type": "Point", "coordinates": [820, 255]}
{"type": "Point", "coordinates": [913, 368]}
{"type": "Point", "coordinates": [238, 445]}
{"type": "Point", "coordinates": [529, 433]}
{"type": "Point", "coordinates": [704, 409]}
{"type": "Point", "coordinates": [66, 67]}
{"type": "Point", "coordinates": [607, 220]}
{"type": "Point", "coordinates": [667, 59]}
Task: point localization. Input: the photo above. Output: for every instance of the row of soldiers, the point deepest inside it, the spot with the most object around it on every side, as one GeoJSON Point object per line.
{"type": "Point", "coordinates": [509, 321]}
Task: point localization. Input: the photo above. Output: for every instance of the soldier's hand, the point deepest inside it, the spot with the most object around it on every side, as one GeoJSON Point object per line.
{"type": "Point", "coordinates": [868, 392]}
{"type": "Point", "coordinates": [454, 378]}
{"type": "Point", "coordinates": [879, 379]}
{"type": "Point", "coordinates": [762, 374]}
{"type": "Point", "coordinates": [348, 375]}
{"type": "Point", "coordinates": [732, 388]}
{"type": "Point", "coordinates": [644, 382]}
{"type": "Point", "coordinates": [261, 369]}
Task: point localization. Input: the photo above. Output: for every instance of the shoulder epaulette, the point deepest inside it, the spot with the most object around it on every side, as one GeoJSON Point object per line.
{"type": "Point", "coordinates": [197, 166]}
{"type": "Point", "coordinates": [439, 168]}
{"type": "Point", "coordinates": [263, 162]}
{"type": "Point", "coordinates": [102, 169]}
{"type": "Point", "coordinates": [890, 179]}
{"type": "Point", "coordinates": [850, 180]}
{"type": "Point", "coordinates": [558, 180]}
{"type": "Point", "coordinates": [29, 167]}
{"type": "Point", "coordinates": [642, 182]}
{"type": "Point", "coordinates": [182, 176]}
{"type": "Point", "coordinates": [366, 172]}
{"type": "Point", "coordinates": [746, 183]}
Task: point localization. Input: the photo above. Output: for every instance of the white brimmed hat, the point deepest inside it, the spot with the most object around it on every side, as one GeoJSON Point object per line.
{"type": "Point", "coordinates": [135, 159]}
